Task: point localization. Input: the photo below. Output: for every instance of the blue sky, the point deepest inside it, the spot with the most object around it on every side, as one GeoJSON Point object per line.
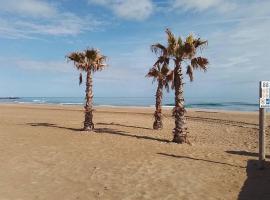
{"type": "Point", "coordinates": [35, 36]}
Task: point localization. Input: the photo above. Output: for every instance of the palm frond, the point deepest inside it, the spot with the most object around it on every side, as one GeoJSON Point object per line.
{"type": "Point", "coordinates": [189, 50]}
{"type": "Point", "coordinates": [159, 49]}
{"type": "Point", "coordinates": [89, 59]}
{"type": "Point", "coordinates": [164, 70]}
{"type": "Point", "coordinates": [153, 72]}
{"type": "Point", "coordinates": [80, 79]}
{"type": "Point", "coordinates": [200, 43]}
{"type": "Point", "coordinates": [190, 39]}
{"type": "Point", "coordinates": [172, 43]}
{"type": "Point", "coordinates": [91, 54]}
{"type": "Point", "coordinates": [199, 63]}
{"type": "Point", "coordinates": [100, 62]}
{"type": "Point", "coordinates": [95, 61]}
{"type": "Point", "coordinates": [180, 41]}
{"type": "Point", "coordinates": [74, 56]}
{"type": "Point", "coordinates": [190, 72]}
{"type": "Point", "coordinates": [78, 59]}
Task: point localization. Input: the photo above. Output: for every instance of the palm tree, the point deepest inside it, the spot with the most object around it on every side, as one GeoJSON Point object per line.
{"type": "Point", "coordinates": [161, 73]}
{"type": "Point", "coordinates": [89, 61]}
{"type": "Point", "coordinates": [183, 51]}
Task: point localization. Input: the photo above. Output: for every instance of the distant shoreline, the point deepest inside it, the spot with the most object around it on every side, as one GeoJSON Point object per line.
{"type": "Point", "coordinates": [114, 108]}
{"type": "Point", "coordinates": [9, 97]}
{"type": "Point", "coordinates": [134, 102]}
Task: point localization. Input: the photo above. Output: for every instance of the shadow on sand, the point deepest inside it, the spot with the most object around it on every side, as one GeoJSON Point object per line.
{"type": "Point", "coordinates": [199, 159]}
{"type": "Point", "coordinates": [102, 130]}
{"type": "Point", "coordinates": [115, 124]}
{"type": "Point", "coordinates": [54, 126]}
{"type": "Point", "coordinates": [122, 133]}
{"type": "Point", "coordinates": [224, 122]}
{"type": "Point", "coordinates": [245, 153]}
{"type": "Point", "coordinates": [257, 184]}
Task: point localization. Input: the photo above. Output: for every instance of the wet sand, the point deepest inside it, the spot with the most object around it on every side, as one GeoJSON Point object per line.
{"type": "Point", "coordinates": [45, 155]}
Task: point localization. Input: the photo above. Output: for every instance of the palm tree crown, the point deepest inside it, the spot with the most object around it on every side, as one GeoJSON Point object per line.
{"type": "Point", "coordinates": [181, 50]}
{"type": "Point", "coordinates": [160, 70]}
{"type": "Point", "coordinates": [89, 59]}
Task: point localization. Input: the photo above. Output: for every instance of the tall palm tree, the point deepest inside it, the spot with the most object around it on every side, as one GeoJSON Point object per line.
{"type": "Point", "coordinates": [161, 73]}
{"type": "Point", "coordinates": [89, 61]}
{"type": "Point", "coordinates": [183, 51]}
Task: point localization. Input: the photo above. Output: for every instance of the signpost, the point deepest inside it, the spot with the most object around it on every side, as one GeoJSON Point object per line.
{"type": "Point", "coordinates": [264, 103]}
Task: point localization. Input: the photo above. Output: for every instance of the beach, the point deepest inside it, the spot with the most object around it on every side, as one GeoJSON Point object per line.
{"type": "Point", "coordinates": [45, 155]}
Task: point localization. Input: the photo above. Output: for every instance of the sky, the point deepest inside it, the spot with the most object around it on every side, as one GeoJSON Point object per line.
{"type": "Point", "coordinates": [36, 35]}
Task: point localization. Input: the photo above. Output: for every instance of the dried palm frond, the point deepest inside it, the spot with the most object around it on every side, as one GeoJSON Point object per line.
{"type": "Point", "coordinates": [80, 79]}
{"type": "Point", "coordinates": [189, 50]}
{"type": "Point", "coordinates": [170, 76]}
{"type": "Point", "coordinates": [164, 70]}
{"type": "Point", "coordinates": [153, 72]}
{"type": "Point", "coordinates": [159, 49]}
{"type": "Point", "coordinates": [190, 72]}
{"type": "Point", "coordinates": [199, 63]}
{"type": "Point", "coordinates": [199, 43]}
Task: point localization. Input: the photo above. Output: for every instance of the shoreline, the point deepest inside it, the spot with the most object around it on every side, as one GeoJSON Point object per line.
{"type": "Point", "coordinates": [149, 108]}
{"type": "Point", "coordinates": [141, 102]}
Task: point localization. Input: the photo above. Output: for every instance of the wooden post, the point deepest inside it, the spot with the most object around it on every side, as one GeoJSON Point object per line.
{"type": "Point", "coordinates": [261, 133]}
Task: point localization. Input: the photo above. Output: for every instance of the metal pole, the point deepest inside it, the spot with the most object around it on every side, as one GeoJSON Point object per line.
{"type": "Point", "coordinates": [261, 133]}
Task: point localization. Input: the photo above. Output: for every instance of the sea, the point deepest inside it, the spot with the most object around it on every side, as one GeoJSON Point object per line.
{"type": "Point", "coordinates": [137, 102]}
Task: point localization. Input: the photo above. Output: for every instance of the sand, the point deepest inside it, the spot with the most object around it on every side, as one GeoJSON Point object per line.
{"type": "Point", "coordinates": [44, 155]}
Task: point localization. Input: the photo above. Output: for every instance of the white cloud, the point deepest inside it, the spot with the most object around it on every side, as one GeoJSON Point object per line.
{"type": "Point", "coordinates": [240, 54]}
{"type": "Point", "coordinates": [237, 48]}
{"type": "Point", "coordinates": [31, 18]}
{"type": "Point", "coordinates": [128, 9]}
{"type": "Point", "coordinates": [35, 8]}
{"type": "Point", "coordinates": [66, 24]}
{"type": "Point", "coordinates": [38, 65]}
{"type": "Point", "coordinates": [201, 5]}
{"type": "Point", "coordinates": [59, 66]}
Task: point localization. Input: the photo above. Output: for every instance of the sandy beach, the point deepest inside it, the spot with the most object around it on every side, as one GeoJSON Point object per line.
{"type": "Point", "coordinates": [44, 155]}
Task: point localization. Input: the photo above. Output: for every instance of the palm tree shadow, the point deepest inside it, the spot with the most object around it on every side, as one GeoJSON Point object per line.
{"type": "Point", "coordinates": [54, 126]}
{"type": "Point", "coordinates": [126, 134]}
{"type": "Point", "coordinates": [116, 124]}
{"type": "Point", "coordinates": [245, 153]}
{"type": "Point", "coordinates": [199, 159]}
{"type": "Point", "coordinates": [257, 184]}
{"type": "Point", "coordinates": [101, 130]}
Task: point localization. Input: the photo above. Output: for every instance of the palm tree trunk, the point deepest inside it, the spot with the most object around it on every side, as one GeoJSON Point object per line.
{"type": "Point", "coordinates": [158, 118]}
{"type": "Point", "coordinates": [180, 130]}
{"type": "Point", "coordinates": [88, 122]}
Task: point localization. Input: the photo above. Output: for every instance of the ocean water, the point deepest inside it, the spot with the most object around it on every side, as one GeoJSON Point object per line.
{"type": "Point", "coordinates": [136, 101]}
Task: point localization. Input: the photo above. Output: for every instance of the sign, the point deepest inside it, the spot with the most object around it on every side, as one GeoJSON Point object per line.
{"type": "Point", "coordinates": [265, 96]}
{"type": "Point", "coordinates": [265, 92]}
{"type": "Point", "coordinates": [265, 84]}
{"type": "Point", "coordinates": [264, 102]}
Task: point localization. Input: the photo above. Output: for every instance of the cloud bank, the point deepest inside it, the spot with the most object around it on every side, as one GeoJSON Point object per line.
{"type": "Point", "coordinates": [30, 18]}
{"type": "Point", "coordinates": [127, 9]}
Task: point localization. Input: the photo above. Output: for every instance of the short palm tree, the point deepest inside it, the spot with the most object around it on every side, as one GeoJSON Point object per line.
{"type": "Point", "coordinates": [161, 73]}
{"type": "Point", "coordinates": [183, 51]}
{"type": "Point", "coordinates": [89, 61]}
